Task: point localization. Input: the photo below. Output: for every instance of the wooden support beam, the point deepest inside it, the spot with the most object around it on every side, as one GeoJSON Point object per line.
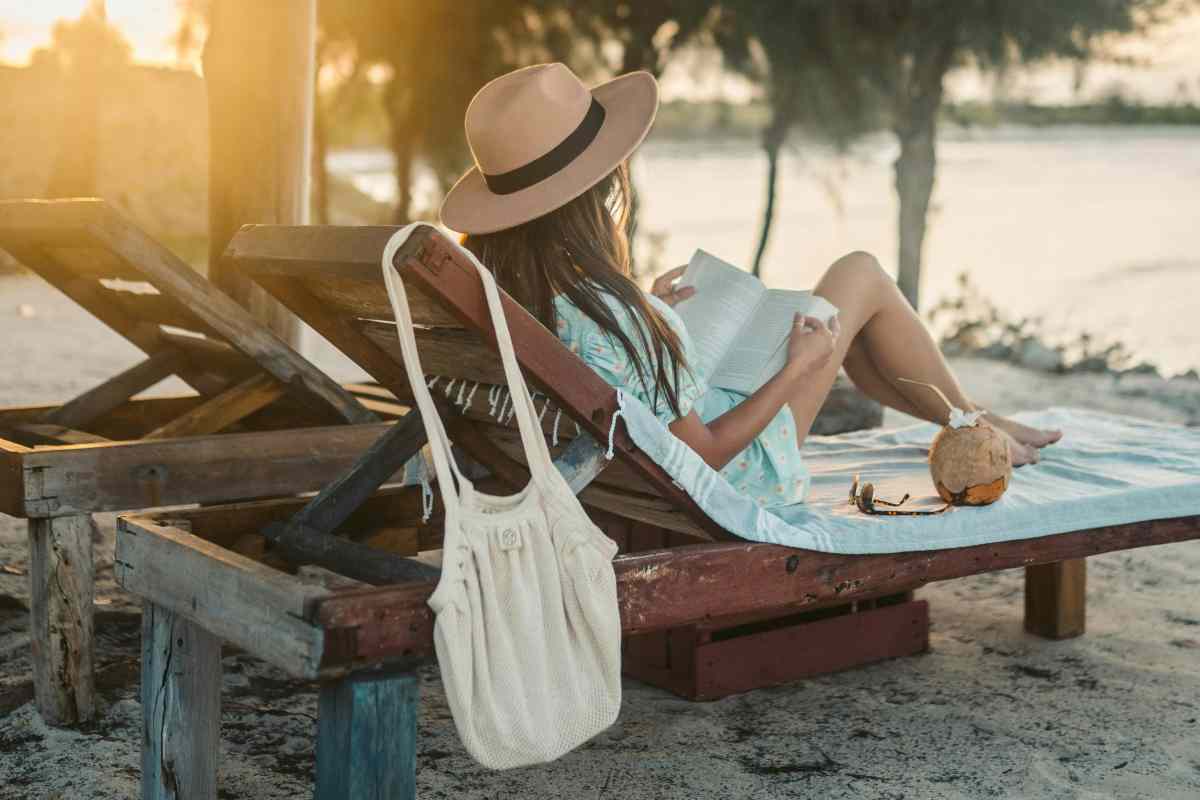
{"type": "Point", "coordinates": [258, 66]}
{"type": "Point", "coordinates": [367, 737]}
{"type": "Point", "coordinates": [206, 469]}
{"type": "Point", "coordinates": [181, 707]}
{"type": "Point", "coordinates": [42, 433]}
{"type": "Point", "coordinates": [223, 410]}
{"type": "Point", "coordinates": [96, 402]}
{"type": "Point", "coordinates": [667, 588]}
{"type": "Point", "coordinates": [237, 599]}
{"type": "Point", "coordinates": [1056, 599]}
{"type": "Point", "coordinates": [60, 609]}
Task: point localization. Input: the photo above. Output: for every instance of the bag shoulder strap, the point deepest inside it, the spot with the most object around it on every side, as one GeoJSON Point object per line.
{"type": "Point", "coordinates": [537, 454]}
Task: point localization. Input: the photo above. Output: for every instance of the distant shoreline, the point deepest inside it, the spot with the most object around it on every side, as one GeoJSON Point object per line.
{"type": "Point", "coordinates": [716, 119]}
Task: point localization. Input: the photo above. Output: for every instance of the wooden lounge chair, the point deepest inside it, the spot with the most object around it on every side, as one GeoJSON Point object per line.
{"type": "Point", "coordinates": [363, 641]}
{"type": "Point", "coordinates": [104, 451]}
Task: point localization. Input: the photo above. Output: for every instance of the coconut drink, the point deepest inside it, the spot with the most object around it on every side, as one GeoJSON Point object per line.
{"type": "Point", "coordinates": [969, 462]}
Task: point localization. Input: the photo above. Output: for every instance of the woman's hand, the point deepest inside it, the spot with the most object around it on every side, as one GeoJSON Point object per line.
{"type": "Point", "coordinates": [810, 345]}
{"type": "Point", "coordinates": [664, 287]}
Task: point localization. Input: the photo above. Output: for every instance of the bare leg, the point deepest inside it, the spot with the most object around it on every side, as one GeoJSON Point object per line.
{"type": "Point", "coordinates": [871, 382]}
{"type": "Point", "coordinates": [879, 328]}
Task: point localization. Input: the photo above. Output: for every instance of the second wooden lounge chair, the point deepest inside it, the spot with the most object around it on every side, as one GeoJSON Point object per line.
{"type": "Point", "coordinates": [262, 421]}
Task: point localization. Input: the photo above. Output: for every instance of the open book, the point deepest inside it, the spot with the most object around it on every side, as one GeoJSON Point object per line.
{"type": "Point", "coordinates": [740, 328]}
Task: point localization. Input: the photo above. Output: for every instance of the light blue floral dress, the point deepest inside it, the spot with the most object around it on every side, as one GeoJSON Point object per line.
{"type": "Point", "coordinates": [770, 468]}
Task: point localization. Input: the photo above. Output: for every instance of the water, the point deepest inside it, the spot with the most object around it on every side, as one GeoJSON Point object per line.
{"type": "Point", "coordinates": [1095, 229]}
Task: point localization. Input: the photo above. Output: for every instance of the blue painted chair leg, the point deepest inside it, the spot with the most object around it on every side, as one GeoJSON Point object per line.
{"type": "Point", "coordinates": [367, 737]}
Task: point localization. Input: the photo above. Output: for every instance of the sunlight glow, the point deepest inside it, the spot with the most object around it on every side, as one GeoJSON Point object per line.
{"type": "Point", "coordinates": [149, 25]}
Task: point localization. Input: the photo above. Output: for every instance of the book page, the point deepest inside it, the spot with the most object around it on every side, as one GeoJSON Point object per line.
{"type": "Point", "coordinates": [760, 348]}
{"type": "Point", "coordinates": [725, 298]}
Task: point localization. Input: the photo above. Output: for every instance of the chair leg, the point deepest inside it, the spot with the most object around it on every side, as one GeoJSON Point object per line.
{"type": "Point", "coordinates": [181, 707]}
{"type": "Point", "coordinates": [61, 588]}
{"type": "Point", "coordinates": [1056, 599]}
{"type": "Point", "coordinates": [367, 737]}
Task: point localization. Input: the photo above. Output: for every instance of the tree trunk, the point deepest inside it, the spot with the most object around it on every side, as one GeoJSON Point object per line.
{"type": "Point", "coordinates": [915, 169]}
{"type": "Point", "coordinates": [74, 171]}
{"type": "Point", "coordinates": [320, 173]}
{"type": "Point", "coordinates": [258, 65]}
{"type": "Point", "coordinates": [772, 144]}
{"type": "Point", "coordinates": [401, 143]}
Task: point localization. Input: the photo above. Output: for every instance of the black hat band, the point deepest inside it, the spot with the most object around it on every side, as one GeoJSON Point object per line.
{"type": "Point", "coordinates": [554, 160]}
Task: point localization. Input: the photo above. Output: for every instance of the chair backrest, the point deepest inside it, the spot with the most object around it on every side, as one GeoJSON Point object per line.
{"type": "Point", "coordinates": [330, 277]}
{"type": "Point", "coordinates": [141, 290]}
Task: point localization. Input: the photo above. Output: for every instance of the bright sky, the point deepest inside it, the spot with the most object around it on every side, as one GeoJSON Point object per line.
{"type": "Point", "coordinates": [1173, 53]}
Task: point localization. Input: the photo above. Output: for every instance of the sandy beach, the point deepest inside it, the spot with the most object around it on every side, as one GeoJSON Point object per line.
{"type": "Point", "coordinates": [988, 712]}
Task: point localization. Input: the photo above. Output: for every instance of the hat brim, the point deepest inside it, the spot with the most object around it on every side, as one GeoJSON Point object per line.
{"type": "Point", "coordinates": [630, 104]}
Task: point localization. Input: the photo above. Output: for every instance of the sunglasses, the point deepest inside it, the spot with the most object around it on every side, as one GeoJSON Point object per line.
{"type": "Point", "coordinates": [862, 496]}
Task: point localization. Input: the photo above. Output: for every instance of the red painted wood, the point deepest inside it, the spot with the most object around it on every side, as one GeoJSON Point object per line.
{"type": "Point", "coordinates": [693, 584]}
{"type": "Point", "coordinates": [722, 668]}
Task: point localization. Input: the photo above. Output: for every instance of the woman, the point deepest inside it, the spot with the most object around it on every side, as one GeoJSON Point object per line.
{"type": "Point", "coordinates": [546, 208]}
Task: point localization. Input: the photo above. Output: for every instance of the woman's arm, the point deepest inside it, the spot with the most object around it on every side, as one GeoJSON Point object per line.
{"type": "Point", "coordinates": [809, 348]}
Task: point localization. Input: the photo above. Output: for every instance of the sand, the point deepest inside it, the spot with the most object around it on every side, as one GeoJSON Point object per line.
{"type": "Point", "coordinates": [988, 712]}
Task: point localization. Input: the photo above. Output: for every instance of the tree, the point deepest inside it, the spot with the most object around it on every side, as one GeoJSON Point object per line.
{"type": "Point", "coordinates": [647, 31]}
{"type": "Point", "coordinates": [435, 56]}
{"type": "Point", "coordinates": [906, 48]}
{"type": "Point", "coordinates": [86, 52]}
{"type": "Point", "coordinates": [789, 48]}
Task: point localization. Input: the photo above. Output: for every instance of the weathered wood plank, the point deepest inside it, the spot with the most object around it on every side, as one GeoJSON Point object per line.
{"type": "Point", "coordinates": [367, 737]}
{"type": "Point", "coordinates": [60, 609]}
{"type": "Point", "coordinates": [669, 588]}
{"type": "Point", "coordinates": [42, 433]}
{"type": "Point", "coordinates": [338, 329]}
{"type": "Point", "coordinates": [260, 609]}
{"type": "Point", "coordinates": [1056, 599]}
{"type": "Point", "coordinates": [223, 410]}
{"type": "Point", "coordinates": [172, 276]}
{"type": "Point", "coordinates": [98, 401]}
{"type": "Point", "coordinates": [181, 707]}
{"type": "Point", "coordinates": [206, 469]}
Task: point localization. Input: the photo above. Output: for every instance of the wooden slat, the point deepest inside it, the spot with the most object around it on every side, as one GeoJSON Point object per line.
{"type": "Point", "coordinates": [94, 261]}
{"type": "Point", "coordinates": [239, 600]}
{"type": "Point", "coordinates": [173, 277]}
{"type": "Point", "coordinates": [92, 296]}
{"type": "Point", "coordinates": [223, 410]}
{"type": "Point", "coordinates": [447, 352]}
{"type": "Point", "coordinates": [139, 474]}
{"type": "Point", "coordinates": [42, 433]}
{"type": "Point", "coordinates": [159, 309]}
{"type": "Point", "coordinates": [60, 611]}
{"type": "Point", "coordinates": [669, 588]}
{"type": "Point", "coordinates": [338, 329]}
{"type": "Point", "coordinates": [181, 707]}
{"type": "Point", "coordinates": [96, 402]}
{"type": "Point", "coordinates": [642, 508]}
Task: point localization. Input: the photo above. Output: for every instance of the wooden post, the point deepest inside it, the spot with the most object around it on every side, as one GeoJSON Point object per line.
{"type": "Point", "coordinates": [367, 737]}
{"type": "Point", "coordinates": [259, 68]}
{"type": "Point", "coordinates": [1056, 599]}
{"type": "Point", "coordinates": [60, 577]}
{"type": "Point", "coordinates": [181, 707]}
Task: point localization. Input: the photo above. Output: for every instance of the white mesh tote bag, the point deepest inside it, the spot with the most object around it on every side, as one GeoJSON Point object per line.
{"type": "Point", "coordinates": [527, 631]}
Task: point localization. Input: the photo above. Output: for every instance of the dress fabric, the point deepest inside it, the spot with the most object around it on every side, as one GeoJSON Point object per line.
{"type": "Point", "coordinates": [770, 469]}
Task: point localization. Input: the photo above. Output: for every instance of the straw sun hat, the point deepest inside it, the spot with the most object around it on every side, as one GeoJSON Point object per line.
{"type": "Point", "coordinates": [540, 139]}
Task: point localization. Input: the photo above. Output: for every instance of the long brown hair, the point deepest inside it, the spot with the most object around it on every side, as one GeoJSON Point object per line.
{"type": "Point", "coordinates": [581, 250]}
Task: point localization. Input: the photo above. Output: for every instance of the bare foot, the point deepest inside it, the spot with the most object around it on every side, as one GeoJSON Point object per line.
{"type": "Point", "coordinates": [1023, 434]}
{"type": "Point", "coordinates": [1021, 454]}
